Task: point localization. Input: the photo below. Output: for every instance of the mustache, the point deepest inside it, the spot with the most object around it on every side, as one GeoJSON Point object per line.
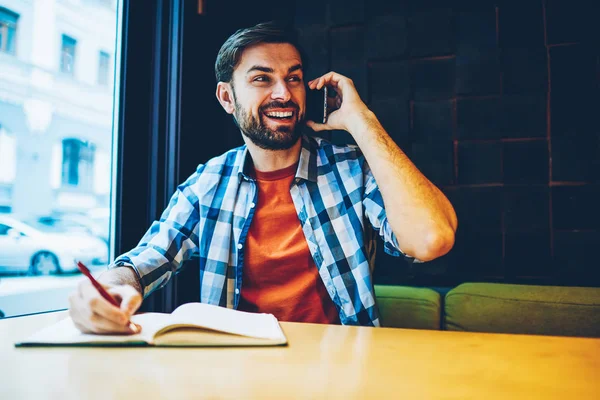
{"type": "Point", "coordinates": [279, 104]}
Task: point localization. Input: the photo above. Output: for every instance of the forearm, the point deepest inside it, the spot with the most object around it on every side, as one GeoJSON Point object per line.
{"type": "Point", "coordinates": [419, 214]}
{"type": "Point", "coordinates": [121, 276]}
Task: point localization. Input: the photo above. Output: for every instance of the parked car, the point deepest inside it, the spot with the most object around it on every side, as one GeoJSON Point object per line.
{"type": "Point", "coordinates": [100, 222]}
{"type": "Point", "coordinates": [95, 222]}
{"type": "Point", "coordinates": [34, 249]}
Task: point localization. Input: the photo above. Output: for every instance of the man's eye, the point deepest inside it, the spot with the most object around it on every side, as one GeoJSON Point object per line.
{"type": "Point", "coordinates": [261, 79]}
{"type": "Point", "coordinates": [295, 79]}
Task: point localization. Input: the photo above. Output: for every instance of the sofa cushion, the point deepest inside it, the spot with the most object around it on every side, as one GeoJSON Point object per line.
{"type": "Point", "coordinates": [409, 307]}
{"type": "Point", "coordinates": [507, 308]}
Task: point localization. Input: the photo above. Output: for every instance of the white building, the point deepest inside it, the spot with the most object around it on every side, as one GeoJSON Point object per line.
{"type": "Point", "coordinates": [56, 102]}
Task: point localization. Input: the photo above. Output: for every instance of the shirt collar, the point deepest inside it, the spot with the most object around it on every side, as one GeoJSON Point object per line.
{"type": "Point", "coordinates": [307, 164]}
{"type": "Point", "coordinates": [244, 168]}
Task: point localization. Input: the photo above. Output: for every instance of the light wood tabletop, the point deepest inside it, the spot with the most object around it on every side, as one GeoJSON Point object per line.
{"type": "Point", "coordinates": [320, 362]}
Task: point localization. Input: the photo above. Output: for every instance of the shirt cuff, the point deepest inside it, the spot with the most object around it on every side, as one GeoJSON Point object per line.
{"type": "Point", "coordinates": [392, 251]}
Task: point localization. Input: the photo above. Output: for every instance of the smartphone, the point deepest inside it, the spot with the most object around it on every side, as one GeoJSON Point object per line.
{"type": "Point", "coordinates": [316, 105]}
{"type": "Point", "coordinates": [324, 104]}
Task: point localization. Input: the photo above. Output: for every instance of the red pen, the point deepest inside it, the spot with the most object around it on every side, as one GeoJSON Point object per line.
{"type": "Point", "coordinates": [84, 270]}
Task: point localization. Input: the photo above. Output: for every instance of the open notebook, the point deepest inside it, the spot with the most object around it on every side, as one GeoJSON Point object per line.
{"type": "Point", "coordinates": [191, 324]}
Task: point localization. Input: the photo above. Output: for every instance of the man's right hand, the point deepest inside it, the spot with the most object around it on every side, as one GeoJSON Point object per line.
{"type": "Point", "coordinates": [91, 313]}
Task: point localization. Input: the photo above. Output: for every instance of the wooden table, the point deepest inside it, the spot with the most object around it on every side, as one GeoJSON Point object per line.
{"type": "Point", "coordinates": [321, 362]}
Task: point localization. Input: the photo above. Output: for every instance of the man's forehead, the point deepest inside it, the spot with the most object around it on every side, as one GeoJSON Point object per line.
{"type": "Point", "coordinates": [274, 56]}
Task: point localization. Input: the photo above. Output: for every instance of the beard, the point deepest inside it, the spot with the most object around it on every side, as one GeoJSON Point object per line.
{"type": "Point", "coordinates": [253, 128]}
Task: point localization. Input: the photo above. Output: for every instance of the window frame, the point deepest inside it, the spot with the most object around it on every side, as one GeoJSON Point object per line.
{"type": "Point", "coordinates": [5, 132]}
{"type": "Point", "coordinates": [72, 164]}
{"type": "Point", "coordinates": [103, 77]}
{"type": "Point", "coordinates": [5, 27]}
{"type": "Point", "coordinates": [65, 39]}
{"type": "Point", "coordinates": [146, 134]}
{"type": "Point", "coordinates": [149, 125]}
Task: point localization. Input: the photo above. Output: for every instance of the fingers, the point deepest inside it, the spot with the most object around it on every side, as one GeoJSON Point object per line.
{"type": "Point", "coordinates": [99, 304]}
{"type": "Point", "coordinates": [91, 313]}
{"type": "Point", "coordinates": [77, 314]}
{"type": "Point", "coordinates": [331, 78]}
{"type": "Point", "coordinates": [88, 321]}
{"type": "Point", "coordinates": [327, 79]}
{"type": "Point", "coordinates": [317, 127]}
{"type": "Point", "coordinates": [130, 298]}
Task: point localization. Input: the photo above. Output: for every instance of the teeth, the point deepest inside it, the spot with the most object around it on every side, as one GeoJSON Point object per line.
{"type": "Point", "coordinates": [280, 114]}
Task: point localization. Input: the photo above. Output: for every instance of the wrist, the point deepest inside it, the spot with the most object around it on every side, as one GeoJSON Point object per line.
{"type": "Point", "coordinates": [362, 123]}
{"type": "Point", "coordinates": [121, 275]}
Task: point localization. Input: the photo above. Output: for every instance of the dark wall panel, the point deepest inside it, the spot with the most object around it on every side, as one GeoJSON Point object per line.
{"type": "Point", "coordinates": [495, 101]}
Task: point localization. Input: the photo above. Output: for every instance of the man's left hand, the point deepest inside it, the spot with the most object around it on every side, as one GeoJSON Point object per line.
{"type": "Point", "coordinates": [349, 109]}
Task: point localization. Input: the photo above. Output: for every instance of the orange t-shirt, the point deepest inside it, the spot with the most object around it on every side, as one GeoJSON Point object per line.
{"type": "Point", "coordinates": [279, 274]}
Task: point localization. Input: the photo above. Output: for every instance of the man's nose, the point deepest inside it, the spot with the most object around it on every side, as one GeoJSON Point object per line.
{"type": "Point", "coordinates": [281, 92]}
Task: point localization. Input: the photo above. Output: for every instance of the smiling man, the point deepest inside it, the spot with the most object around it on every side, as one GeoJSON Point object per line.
{"type": "Point", "coordinates": [269, 116]}
{"type": "Point", "coordinates": [280, 224]}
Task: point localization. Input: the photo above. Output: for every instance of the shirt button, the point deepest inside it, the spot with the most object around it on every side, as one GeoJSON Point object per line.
{"type": "Point", "coordinates": [252, 205]}
{"type": "Point", "coordinates": [239, 246]}
{"type": "Point", "coordinates": [237, 291]}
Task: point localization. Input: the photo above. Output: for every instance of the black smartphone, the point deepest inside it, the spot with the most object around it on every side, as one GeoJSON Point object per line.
{"type": "Point", "coordinates": [316, 105]}
{"type": "Point", "coordinates": [324, 104]}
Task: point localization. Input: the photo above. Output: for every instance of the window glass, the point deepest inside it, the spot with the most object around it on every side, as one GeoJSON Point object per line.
{"type": "Point", "coordinates": [78, 163]}
{"type": "Point", "coordinates": [8, 29]}
{"type": "Point", "coordinates": [67, 55]}
{"type": "Point", "coordinates": [103, 68]}
{"type": "Point", "coordinates": [57, 108]}
{"type": "Point", "coordinates": [8, 157]}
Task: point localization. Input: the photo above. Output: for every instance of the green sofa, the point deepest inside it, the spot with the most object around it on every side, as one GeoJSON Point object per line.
{"type": "Point", "coordinates": [478, 307]}
{"type": "Point", "coordinates": [493, 307]}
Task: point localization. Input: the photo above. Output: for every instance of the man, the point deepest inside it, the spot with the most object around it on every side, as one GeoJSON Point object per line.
{"type": "Point", "coordinates": [279, 223]}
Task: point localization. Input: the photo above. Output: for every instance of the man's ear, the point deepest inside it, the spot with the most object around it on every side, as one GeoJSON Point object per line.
{"type": "Point", "coordinates": [225, 97]}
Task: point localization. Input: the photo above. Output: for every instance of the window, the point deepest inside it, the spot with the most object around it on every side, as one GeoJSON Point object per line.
{"type": "Point", "coordinates": [78, 163]}
{"type": "Point", "coordinates": [8, 30]}
{"type": "Point", "coordinates": [57, 145]}
{"type": "Point", "coordinates": [103, 65]}
{"type": "Point", "coordinates": [8, 168]}
{"type": "Point", "coordinates": [67, 55]}
{"type": "Point", "coordinates": [8, 157]}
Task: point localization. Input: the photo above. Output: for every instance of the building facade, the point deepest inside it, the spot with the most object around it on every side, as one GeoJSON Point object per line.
{"type": "Point", "coordinates": [57, 71]}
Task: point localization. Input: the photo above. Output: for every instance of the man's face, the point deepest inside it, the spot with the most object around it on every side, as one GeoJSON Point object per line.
{"type": "Point", "coordinates": [269, 95]}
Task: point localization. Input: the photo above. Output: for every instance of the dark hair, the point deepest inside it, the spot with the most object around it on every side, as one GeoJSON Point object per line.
{"type": "Point", "coordinates": [267, 32]}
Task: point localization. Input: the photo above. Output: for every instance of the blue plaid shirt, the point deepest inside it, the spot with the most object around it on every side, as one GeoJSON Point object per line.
{"type": "Point", "coordinates": [334, 193]}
